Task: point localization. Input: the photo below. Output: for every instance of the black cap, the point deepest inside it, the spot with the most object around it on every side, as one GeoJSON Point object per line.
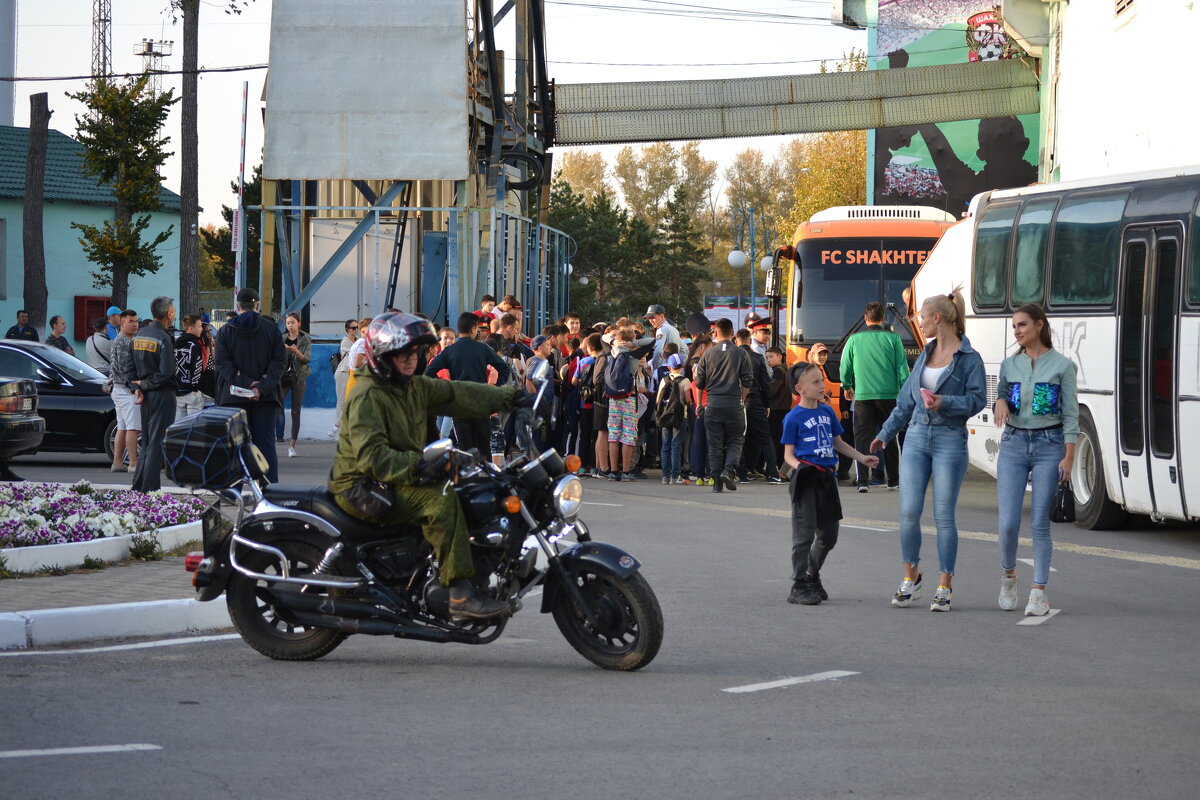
{"type": "Point", "coordinates": [654, 309]}
{"type": "Point", "coordinates": [697, 324]}
{"type": "Point", "coordinates": [247, 296]}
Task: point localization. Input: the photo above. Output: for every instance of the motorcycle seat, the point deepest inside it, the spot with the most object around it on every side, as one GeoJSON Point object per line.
{"type": "Point", "coordinates": [318, 500]}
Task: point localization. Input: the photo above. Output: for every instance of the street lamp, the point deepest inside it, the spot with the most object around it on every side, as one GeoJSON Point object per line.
{"type": "Point", "coordinates": [743, 223]}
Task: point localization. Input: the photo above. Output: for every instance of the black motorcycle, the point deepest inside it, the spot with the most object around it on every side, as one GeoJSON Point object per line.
{"type": "Point", "coordinates": [299, 574]}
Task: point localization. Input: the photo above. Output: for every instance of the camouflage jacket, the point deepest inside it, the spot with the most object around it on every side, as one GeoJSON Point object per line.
{"type": "Point", "coordinates": [383, 428]}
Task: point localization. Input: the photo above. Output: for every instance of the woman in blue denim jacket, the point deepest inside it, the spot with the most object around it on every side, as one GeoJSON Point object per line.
{"type": "Point", "coordinates": [1037, 404]}
{"type": "Point", "coordinates": [947, 387]}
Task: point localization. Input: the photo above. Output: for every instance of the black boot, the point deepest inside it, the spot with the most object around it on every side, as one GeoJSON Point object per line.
{"type": "Point", "coordinates": [729, 481]}
{"type": "Point", "coordinates": [815, 582]}
{"type": "Point", "coordinates": [803, 594]}
{"type": "Point", "coordinates": [466, 603]}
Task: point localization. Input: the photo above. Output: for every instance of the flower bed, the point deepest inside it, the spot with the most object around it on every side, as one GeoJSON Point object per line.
{"type": "Point", "coordinates": [34, 514]}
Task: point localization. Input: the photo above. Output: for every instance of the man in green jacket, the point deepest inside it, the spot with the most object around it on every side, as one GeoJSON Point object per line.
{"type": "Point", "coordinates": [874, 368]}
{"type": "Point", "coordinates": [383, 433]}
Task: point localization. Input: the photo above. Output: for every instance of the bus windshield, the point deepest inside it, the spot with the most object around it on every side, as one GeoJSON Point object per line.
{"type": "Point", "coordinates": [841, 275]}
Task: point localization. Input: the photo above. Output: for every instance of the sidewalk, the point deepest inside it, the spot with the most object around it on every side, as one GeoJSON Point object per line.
{"type": "Point", "coordinates": [130, 599]}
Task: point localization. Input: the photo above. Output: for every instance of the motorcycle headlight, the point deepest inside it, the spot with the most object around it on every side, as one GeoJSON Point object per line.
{"type": "Point", "coordinates": [568, 496]}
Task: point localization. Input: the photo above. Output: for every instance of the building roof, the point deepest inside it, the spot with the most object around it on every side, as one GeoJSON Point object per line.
{"type": "Point", "coordinates": [66, 180]}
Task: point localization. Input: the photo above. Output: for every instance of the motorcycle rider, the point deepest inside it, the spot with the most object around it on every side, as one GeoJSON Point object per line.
{"type": "Point", "coordinates": [382, 436]}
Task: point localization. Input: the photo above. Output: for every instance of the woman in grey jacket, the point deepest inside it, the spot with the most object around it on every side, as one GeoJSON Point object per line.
{"type": "Point", "coordinates": [947, 387]}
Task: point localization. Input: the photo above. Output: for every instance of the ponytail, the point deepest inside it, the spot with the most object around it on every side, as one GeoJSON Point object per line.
{"type": "Point", "coordinates": [952, 307]}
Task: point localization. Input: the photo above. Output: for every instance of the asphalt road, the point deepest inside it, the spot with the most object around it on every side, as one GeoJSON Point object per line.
{"type": "Point", "coordinates": [1099, 700]}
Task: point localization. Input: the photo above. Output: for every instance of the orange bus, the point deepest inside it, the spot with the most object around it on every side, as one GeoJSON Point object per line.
{"type": "Point", "coordinates": [845, 257]}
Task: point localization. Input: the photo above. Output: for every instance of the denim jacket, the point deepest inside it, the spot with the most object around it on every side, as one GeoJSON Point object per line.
{"type": "Point", "coordinates": [963, 389]}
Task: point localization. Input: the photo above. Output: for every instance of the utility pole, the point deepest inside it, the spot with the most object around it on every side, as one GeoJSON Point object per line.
{"type": "Point", "coordinates": [31, 236]}
{"type": "Point", "coordinates": [101, 38]}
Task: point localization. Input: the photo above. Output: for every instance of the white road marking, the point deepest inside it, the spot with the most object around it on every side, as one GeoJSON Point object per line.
{"type": "Point", "coordinates": [593, 503]}
{"type": "Point", "coordinates": [1029, 561]}
{"type": "Point", "coordinates": [1039, 620]}
{"type": "Point", "coordinates": [78, 751]}
{"type": "Point", "coordinates": [866, 528]}
{"type": "Point", "coordinates": [116, 648]}
{"type": "Point", "coordinates": [818, 676]}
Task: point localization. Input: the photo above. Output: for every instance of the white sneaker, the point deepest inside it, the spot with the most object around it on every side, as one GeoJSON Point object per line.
{"type": "Point", "coordinates": [1008, 592]}
{"type": "Point", "coordinates": [909, 591]}
{"type": "Point", "coordinates": [941, 599]}
{"type": "Point", "coordinates": [291, 452]}
{"type": "Point", "coordinates": [1038, 605]}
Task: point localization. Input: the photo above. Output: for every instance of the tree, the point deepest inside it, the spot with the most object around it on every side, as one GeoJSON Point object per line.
{"type": "Point", "coordinates": [697, 176]}
{"type": "Point", "coordinates": [647, 179]}
{"type": "Point", "coordinates": [217, 242]}
{"type": "Point", "coordinates": [583, 171]}
{"type": "Point", "coordinates": [679, 258]}
{"type": "Point", "coordinates": [125, 149]}
{"type": "Point", "coordinates": [33, 242]}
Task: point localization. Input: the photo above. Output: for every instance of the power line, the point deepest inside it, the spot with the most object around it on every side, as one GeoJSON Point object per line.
{"type": "Point", "coordinates": [200, 71]}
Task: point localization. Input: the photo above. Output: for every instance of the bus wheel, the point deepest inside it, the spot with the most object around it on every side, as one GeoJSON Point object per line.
{"type": "Point", "coordinates": [1094, 510]}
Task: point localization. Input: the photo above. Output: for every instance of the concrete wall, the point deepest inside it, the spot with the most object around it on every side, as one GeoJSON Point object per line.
{"type": "Point", "coordinates": [68, 272]}
{"type": "Point", "coordinates": [1126, 100]}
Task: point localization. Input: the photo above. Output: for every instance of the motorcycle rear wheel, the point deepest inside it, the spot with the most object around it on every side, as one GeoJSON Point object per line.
{"type": "Point", "coordinates": [257, 620]}
{"type": "Point", "coordinates": [629, 626]}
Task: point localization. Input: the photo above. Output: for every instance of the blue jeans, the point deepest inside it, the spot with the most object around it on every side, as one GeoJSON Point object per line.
{"type": "Point", "coordinates": [672, 448]}
{"type": "Point", "coordinates": [938, 452]}
{"type": "Point", "coordinates": [1033, 456]}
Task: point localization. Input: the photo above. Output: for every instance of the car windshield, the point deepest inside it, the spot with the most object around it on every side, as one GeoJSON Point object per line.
{"type": "Point", "coordinates": [69, 365]}
{"type": "Point", "coordinates": [840, 276]}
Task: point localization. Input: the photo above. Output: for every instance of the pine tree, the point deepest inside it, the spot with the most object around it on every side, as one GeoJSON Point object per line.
{"type": "Point", "coordinates": [217, 242]}
{"type": "Point", "coordinates": [124, 149]}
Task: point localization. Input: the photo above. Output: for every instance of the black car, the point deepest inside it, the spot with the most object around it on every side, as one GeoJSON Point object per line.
{"type": "Point", "coordinates": [21, 429]}
{"type": "Point", "coordinates": [79, 415]}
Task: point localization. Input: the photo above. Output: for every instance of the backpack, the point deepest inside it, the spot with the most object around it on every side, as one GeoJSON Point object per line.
{"type": "Point", "coordinates": [587, 386]}
{"type": "Point", "coordinates": [670, 410]}
{"type": "Point", "coordinates": [335, 360]}
{"type": "Point", "coordinates": [618, 377]}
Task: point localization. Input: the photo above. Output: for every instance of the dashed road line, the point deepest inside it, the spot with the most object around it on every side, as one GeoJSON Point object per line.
{"type": "Point", "coordinates": [1029, 561]}
{"type": "Point", "coordinates": [1041, 619]}
{"type": "Point", "coordinates": [79, 751]}
{"type": "Point", "coordinates": [779, 684]}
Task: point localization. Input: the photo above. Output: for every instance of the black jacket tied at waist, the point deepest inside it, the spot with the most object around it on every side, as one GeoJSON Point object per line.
{"type": "Point", "coordinates": [823, 483]}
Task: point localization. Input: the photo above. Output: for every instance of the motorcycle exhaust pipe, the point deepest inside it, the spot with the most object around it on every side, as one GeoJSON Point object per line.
{"type": "Point", "coordinates": [335, 607]}
{"type": "Point", "coordinates": [379, 627]}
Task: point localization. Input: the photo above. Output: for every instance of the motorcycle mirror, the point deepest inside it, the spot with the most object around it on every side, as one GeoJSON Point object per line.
{"type": "Point", "coordinates": [436, 449]}
{"type": "Point", "coordinates": [541, 372]}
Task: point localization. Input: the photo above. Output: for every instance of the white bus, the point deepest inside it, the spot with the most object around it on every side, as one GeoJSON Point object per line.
{"type": "Point", "coordinates": [1116, 264]}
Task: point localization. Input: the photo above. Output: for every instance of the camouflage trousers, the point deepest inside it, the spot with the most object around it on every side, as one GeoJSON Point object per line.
{"type": "Point", "coordinates": [442, 524]}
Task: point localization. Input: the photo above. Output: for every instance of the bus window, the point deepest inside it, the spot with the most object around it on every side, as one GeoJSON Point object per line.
{"type": "Point", "coordinates": [1162, 350]}
{"type": "Point", "coordinates": [1086, 243]}
{"type": "Point", "coordinates": [991, 254]}
{"type": "Point", "coordinates": [1130, 386]}
{"type": "Point", "coordinates": [1194, 277]}
{"type": "Point", "coordinates": [1029, 263]}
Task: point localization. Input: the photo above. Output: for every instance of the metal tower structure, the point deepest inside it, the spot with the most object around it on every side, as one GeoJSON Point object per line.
{"type": "Point", "coordinates": [153, 51]}
{"type": "Point", "coordinates": [101, 37]}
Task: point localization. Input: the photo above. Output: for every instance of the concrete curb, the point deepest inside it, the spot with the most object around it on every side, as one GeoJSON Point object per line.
{"type": "Point", "coordinates": [107, 548]}
{"type": "Point", "coordinates": [55, 626]}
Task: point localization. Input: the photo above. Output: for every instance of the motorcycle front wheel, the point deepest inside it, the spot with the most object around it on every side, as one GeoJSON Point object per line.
{"type": "Point", "coordinates": [629, 624]}
{"type": "Point", "coordinates": [257, 620]}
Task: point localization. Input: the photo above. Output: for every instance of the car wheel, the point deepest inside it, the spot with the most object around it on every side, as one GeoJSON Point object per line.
{"type": "Point", "coordinates": [110, 441]}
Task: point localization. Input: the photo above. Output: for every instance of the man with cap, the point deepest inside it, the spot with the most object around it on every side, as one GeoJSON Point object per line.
{"type": "Point", "coordinates": [113, 328]}
{"type": "Point", "coordinates": [154, 384]}
{"type": "Point", "coordinates": [664, 332]}
{"type": "Point", "coordinates": [760, 336]}
{"type": "Point", "coordinates": [250, 360]}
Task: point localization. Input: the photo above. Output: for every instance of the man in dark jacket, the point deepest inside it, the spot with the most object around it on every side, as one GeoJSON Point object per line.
{"type": "Point", "coordinates": [468, 360]}
{"type": "Point", "coordinates": [154, 382]}
{"type": "Point", "coordinates": [759, 449]}
{"type": "Point", "coordinates": [249, 361]}
{"type": "Point", "coordinates": [724, 371]}
{"type": "Point", "coordinates": [189, 362]}
{"type": "Point", "coordinates": [22, 330]}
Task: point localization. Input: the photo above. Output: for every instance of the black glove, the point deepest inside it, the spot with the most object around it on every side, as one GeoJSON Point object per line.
{"type": "Point", "coordinates": [440, 468]}
{"type": "Point", "coordinates": [522, 399]}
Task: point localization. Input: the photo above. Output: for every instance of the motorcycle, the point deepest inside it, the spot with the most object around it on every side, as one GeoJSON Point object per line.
{"type": "Point", "coordinates": [299, 575]}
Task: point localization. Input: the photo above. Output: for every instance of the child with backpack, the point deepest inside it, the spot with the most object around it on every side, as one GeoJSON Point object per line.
{"type": "Point", "coordinates": [621, 391]}
{"type": "Point", "coordinates": [812, 439]}
{"type": "Point", "coordinates": [670, 414]}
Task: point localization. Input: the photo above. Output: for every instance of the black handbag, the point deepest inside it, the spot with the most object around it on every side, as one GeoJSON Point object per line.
{"type": "Point", "coordinates": [371, 498]}
{"type": "Point", "coordinates": [1063, 507]}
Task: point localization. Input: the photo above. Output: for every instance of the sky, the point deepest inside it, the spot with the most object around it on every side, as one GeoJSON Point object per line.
{"type": "Point", "coordinates": [588, 41]}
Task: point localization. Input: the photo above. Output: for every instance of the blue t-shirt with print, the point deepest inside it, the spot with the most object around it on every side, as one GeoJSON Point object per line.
{"type": "Point", "coordinates": [810, 432]}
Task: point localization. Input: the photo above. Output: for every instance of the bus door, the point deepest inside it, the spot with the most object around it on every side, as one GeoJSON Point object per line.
{"type": "Point", "coordinates": [1147, 384]}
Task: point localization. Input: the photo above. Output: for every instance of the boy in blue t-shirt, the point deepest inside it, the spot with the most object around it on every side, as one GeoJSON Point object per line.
{"type": "Point", "coordinates": [812, 439]}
